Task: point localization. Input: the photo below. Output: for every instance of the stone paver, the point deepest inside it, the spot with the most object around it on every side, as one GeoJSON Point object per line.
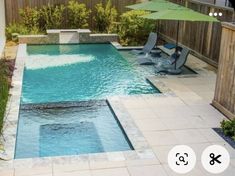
{"type": "Point", "coordinates": [152, 170]}
{"type": "Point", "coordinates": [111, 172]}
{"type": "Point", "coordinates": [228, 172]}
{"type": "Point", "coordinates": [107, 164]}
{"type": "Point", "coordinates": [144, 162]}
{"type": "Point", "coordinates": [158, 138]}
{"type": "Point", "coordinates": [195, 172]}
{"type": "Point", "coordinates": [60, 168]}
{"type": "Point", "coordinates": [151, 124]}
{"type": "Point", "coordinates": [189, 136]}
{"type": "Point", "coordinates": [142, 113]}
{"type": "Point", "coordinates": [75, 173]}
{"type": "Point", "coordinates": [9, 172]}
{"type": "Point", "coordinates": [210, 135]}
{"type": "Point", "coordinates": [33, 171]}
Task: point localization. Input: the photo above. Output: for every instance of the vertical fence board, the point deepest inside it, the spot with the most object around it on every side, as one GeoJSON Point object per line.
{"type": "Point", "coordinates": [13, 6]}
{"type": "Point", "coordinates": [203, 38]}
{"type": "Point", "coordinates": [224, 98]}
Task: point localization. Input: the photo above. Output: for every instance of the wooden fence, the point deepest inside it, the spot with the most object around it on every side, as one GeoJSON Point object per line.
{"type": "Point", "coordinates": [224, 98]}
{"type": "Point", "coordinates": [13, 6]}
{"type": "Point", "coordinates": [201, 37]}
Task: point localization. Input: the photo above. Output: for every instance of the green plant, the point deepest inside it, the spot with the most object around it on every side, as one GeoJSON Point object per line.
{"type": "Point", "coordinates": [78, 15]}
{"type": "Point", "coordinates": [228, 128]}
{"type": "Point", "coordinates": [15, 28]}
{"type": "Point", "coordinates": [105, 17]}
{"type": "Point", "coordinates": [29, 17]}
{"type": "Point", "coordinates": [4, 89]}
{"type": "Point", "coordinates": [133, 30]}
{"type": "Point", "coordinates": [51, 17]}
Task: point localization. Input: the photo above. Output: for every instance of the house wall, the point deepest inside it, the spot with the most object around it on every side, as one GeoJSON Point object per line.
{"type": "Point", "coordinates": [2, 26]}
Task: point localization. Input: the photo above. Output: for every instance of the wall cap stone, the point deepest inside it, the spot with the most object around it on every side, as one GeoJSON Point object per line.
{"type": "Point", "coordinates": [68, 30]}
{"type": "Point", "coordinates": [31, 36]}
{"type": "Point", "coordinates": [102, 35]}
{"type": "Point", "coordinates": [59, 36]}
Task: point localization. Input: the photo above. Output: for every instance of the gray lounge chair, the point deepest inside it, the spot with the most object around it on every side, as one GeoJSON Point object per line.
{"type": "Point", "coordinates": [152, 40]}
{"type": "Point", "coordinates": [149, 59]}
{"type": "Point", "coordinates": [145, 60]}
{"type": "Point", "coordinates": [171, 65]}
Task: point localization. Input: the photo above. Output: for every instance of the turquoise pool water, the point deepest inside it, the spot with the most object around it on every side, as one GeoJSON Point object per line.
{"type": "Point", "coordinates": [68, 129]}
{"type": "Point", "coordinates": [55, 73]}
{"type": "Point", "coordinates": [63, 111]}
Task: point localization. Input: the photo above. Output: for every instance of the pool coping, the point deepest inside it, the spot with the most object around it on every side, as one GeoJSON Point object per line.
{"type": "Point", "coordinates": [13, 107]}
{"type": "Point", "coordinates": [141, 150]}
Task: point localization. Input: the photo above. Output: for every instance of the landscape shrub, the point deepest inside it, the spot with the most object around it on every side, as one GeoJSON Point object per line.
{"type": "Point", "coordinates": [29, 17]}
{"type": "Point", "coordinates": [133, 30]}
{"type": "Point", "coordinates": [51, 17]}
{"type": "Point", "coordinates": [78, 15]}
{"type": "Point", "coordinates": [16, 28]}
{"type": "Point", "coordinates": [5, 73]}
{"type": "Point", "coordinates": [228, 128]}
{"type": "Point", "coordinates": [105, 17]}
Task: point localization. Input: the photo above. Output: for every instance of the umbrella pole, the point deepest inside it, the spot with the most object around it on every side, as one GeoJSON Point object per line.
{"type": "Point", "coordinates": [177, 39]}
{"type": "Point", "coordinates": [158, 26]}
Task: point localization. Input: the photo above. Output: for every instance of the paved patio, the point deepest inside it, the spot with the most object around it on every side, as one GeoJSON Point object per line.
{"type": "Point", "coordinates": [183, 116]}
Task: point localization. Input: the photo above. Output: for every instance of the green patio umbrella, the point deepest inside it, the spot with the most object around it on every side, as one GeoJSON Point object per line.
{"type": "Point", "coordinates": [166, 10]}
{"type": "Point", "coordinates": [180, 15]}
{"type": "Point", "coordinates": [156, 5]}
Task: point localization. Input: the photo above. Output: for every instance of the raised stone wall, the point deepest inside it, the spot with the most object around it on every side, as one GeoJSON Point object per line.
{"type": "Point", "coordinates": [50, 38]}
{"type": "Point", "coordinates": [97, 38]}
{"type": "Point", "coordinates": [62, 37]}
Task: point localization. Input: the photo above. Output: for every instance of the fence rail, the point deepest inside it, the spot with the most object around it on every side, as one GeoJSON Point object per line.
{"type": "Point", "coordinates": [13, 6]}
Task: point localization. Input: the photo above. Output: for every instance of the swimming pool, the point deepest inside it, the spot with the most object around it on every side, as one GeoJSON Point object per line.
{"type": "Point", "coordinates": [63, 107]}
{"type": "Point", "coordinates": [55, 73]}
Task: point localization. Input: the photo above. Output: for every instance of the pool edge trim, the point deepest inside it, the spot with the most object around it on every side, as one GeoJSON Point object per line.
{"type": "Point", "coordinates": [13, 105]}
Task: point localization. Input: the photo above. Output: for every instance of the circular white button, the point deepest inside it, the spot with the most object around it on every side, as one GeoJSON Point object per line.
{"type": "Point", "coordinates": [181, 159]}
{"type": "Point", "coordinates": [215, 159]}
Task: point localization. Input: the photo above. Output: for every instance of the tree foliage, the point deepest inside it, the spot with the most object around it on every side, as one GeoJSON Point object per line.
{"type": "Point", "coordinates": [78, 15]}
{"type": "Point", "coordinates": [51, 17]}
{"type": "Point", "coordinates": [133, 30]}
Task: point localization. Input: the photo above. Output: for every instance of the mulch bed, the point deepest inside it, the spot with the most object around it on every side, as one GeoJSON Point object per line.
{"type": "Point", "coordinates": [229, 140]}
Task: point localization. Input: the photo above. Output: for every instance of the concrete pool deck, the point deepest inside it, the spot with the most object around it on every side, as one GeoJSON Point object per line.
{"type": "Point", "coordinates": [183, 115]}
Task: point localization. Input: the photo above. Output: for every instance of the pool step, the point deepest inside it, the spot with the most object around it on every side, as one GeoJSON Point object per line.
{"type": "Point", "coordinates": [67, 104]}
